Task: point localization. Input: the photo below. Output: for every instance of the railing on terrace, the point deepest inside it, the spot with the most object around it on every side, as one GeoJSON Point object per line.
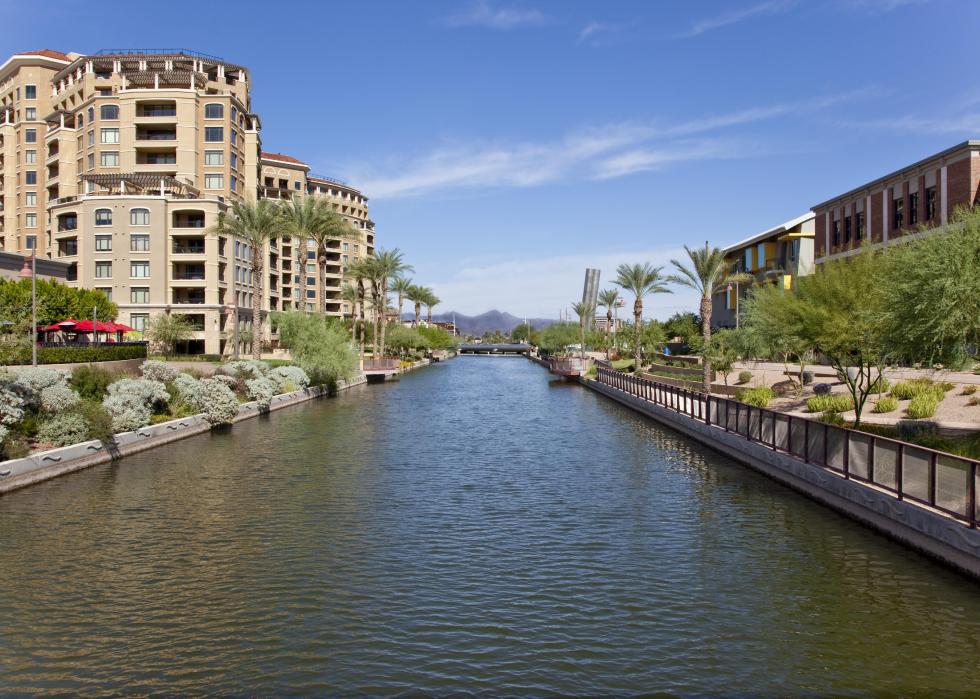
{"type": "Point", "coordinates": [923, 476]}
{"type": "Point", "coordinates": [92, 343]}
{"type": "Point", "coordinates": [381, 364]}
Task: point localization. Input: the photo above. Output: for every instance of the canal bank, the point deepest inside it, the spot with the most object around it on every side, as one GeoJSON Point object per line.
{"type": "Point", "coordinates": [919, 524]}
{"type": "Point", "coordinates": [474, 528]}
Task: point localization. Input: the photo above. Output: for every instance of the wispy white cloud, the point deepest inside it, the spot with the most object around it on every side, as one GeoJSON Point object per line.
{"type": "Point", "coordinates": [538, 287]}
{"type": "Point", "coordinates": [965, 124]}
{"type": "Point", "coordinates": [597, 33]}
{"type": "Point", "coordinates": [879, 6]}
{"type": "Point", "coordinates": [484, 14]}
{"type": "Point", "coordinates": [770, 7]}
{"type": "Point", "coordinates": [613, 150]}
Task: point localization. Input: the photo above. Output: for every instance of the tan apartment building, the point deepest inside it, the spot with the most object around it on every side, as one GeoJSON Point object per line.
{"type": "Point", "coordinates": [777, 256]}
{"type": "Point", "coordinates": [118, 163]}
{"type": "Point", "coordinates": [906, 202]}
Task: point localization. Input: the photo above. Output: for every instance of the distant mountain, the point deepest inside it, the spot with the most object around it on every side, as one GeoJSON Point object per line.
{"type": "Point", "coordinates": [485, 322]}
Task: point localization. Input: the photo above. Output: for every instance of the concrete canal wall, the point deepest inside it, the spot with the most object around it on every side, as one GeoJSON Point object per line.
{"type": "Point", "coordinates": [927, 531]}
{"type": "Point", "coordinates": [18, 473]}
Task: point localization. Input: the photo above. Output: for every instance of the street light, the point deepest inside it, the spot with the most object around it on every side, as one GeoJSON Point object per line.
{"type": "Point", "coordinates": [31, 271]}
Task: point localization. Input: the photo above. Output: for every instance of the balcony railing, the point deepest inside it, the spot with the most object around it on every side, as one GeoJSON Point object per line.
{"type": "Point", "coordinates": [188, 249]}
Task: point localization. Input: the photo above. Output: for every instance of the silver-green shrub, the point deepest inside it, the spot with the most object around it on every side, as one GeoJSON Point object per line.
{"type": "Point", "coordinates": [58, 398]}
{"type": "Point", "coordinates": [216, 401]}
{"type": "Point", "coordinates": [36, 379]}
{"type": "Point", "coordinates": [11, 403]}
{"type": "Point", "coordinates": [245, 368]}
{"type": "Point", "coordinates": [128, 411]}
{"type": "Point", "coordinates": [63, 429]}
{"type": "Point", "coordinates": [261, 390]}
{"type": "Point", "coordinates": [158, 371]}
{"type": "Point", "coordinates": [186, 386]}
{"type": "Point", "coordinates": [153, 393]}
{"type": "Point", "coordinates": [285, 375]}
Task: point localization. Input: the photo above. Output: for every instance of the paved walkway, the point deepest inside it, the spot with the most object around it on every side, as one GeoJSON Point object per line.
{"type": "Point", "coordinates": [771, 372]}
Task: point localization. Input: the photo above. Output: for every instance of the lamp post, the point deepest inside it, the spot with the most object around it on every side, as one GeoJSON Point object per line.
{"type": "Point", "coordinates": [31, 271]}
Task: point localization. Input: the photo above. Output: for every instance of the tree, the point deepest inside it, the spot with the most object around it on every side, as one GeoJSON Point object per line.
{"type": "Point", "coordinates": [301, 216]}
{"type": "Point", "coordinates": [388, 264]}
{"type": "Point", "coordinates": [584, 311]}
{"type": "Point", "coordinates": [255, 223]}
{"type": "Point", "coordinates": [318, 344]}
{"type": "Point", "coordinates": [349, 294]}
{"type": "Point", "coordinates": [555, 339]}
{"type": "Point", "coordinates": [167, 329]}
{"type": "Point", "coordinates": [836, 311]}
{"type": "Point", "coordinates": [523, 333]}
{"type": "Point", "coordinates": [401, 286]}
{"type": "Point", "coordinates": [722, 353]}
{"type": "Point", "coordinates": [360, 274]}
{"type": "Point", "coordinates": [610, 299]}
{"type": "Point", "coordinates": [932, 288]}
{"type": "Point", "coordinates": [416, 294]}
{"type": "Point", "coordinates": [708, 269]}
{"type": "Point", "coordinates": [430, 301]}
{"type": "Point", "coordinates": [55, 302]}
{"type": "Point", "coordinates": [641, 280]}
{"type": "Point", "coordinates": [330, 226]}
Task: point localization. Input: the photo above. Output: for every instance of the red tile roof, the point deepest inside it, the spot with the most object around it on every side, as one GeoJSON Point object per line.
{"type": "Point", "coordinates": [280, 156]}
{"type": "Point", "coordinates": [49, 53]}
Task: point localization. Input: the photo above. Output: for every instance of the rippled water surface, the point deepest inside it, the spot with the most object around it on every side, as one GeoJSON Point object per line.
{"type": "Point", "coordinates": [475, 527]}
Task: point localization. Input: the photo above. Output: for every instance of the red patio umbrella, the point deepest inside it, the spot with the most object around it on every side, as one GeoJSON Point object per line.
{"type": "Point", "coordinates": [66, 325]}
{"type": "Point", "coordinates": [87, 326]}
{"type": "Point", "coordinates": [122, 328]}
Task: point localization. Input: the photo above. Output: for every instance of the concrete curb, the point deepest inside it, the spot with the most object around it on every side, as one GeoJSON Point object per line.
{"type": "Point", "coordinates": [18, 473]}
{"type": "Point", "coordinates": [928, 531]}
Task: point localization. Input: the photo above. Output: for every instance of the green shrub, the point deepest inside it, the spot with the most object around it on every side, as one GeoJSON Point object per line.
{"type": "Point", "coordinates": [923, 406]}
{"type": "Point", "coordinates": [76, 355]}
{"type": "Point", "coordinates": [832, 418]}
{"type": "Point", "coordinates": [886, 404]}
{"type": "Point", "coordinates": [830, 403]}
{"type": "Point", "coordinates": [758, 396]}
{"type": "Point", "coordinates": [969, 390]}
{"type": "Point", "coordinates": [63, 430]}
{"type": "Point", "coordinates": [99, 421]}
{"type": "Point", "coordinates": [744, 377]}
{"type": "Point", "coordinates": [92, 381]}
{"type": "Point", "coordinates": [973, 401]}
{"type": "Point", "coordinates": [881, 385]}
{"type": "Point", "coordinates": [907, 390]}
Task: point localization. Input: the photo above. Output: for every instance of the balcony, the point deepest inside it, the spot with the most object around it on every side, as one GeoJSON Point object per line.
{"type": "Point", "coordinates": [188, 219]}
{"type": "Point", "coordinates": [188, 297]}
{"type": "Point", "coordinates": [188, 273]}
{"type": "Point", "coordinates": [67, 222]}
{"type": "Point", "coordinates": [68, 247]}
{"type": "Point", "coordinates": [187, 247]}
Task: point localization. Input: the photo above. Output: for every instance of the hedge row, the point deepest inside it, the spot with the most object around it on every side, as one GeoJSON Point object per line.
{"type": "Point", "coordinates": [71, 355]}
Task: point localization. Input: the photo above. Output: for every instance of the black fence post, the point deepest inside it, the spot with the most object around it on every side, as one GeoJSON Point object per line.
{"type": "Point", "coordinates": [933, 463]}
{"type": "Point", "coordinates": [899, 469]}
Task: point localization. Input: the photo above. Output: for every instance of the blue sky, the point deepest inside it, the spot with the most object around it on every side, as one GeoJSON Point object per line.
{"type": "Point", "coordinates": [508, 144]}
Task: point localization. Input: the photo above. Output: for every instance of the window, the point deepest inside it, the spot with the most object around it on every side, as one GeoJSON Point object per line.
{"type": "Point", "coordinates": [30, 92]}
{"type": "Point", "coordinates": [310, 255]}
{"type": "Point", "coordinates": [311, 281]}
{"type": "Point", "coordinates": [103, 243]}
{"type": "Point", "coordinates": [30, 220]}
{"type": "Point", "coordinates": [295, 185]}
{"type": "Point", "coordinates": [91, 137]}
{"type": "Point", "coordinates": [30, 177]}
{"type": "Point", "coordinates": [103, 217]}
{"type": "Point", "coordinates": [81, 120]}
{"type": "Point", "coordinates": [109, 111]}
{"type": "Point", "coordinates": [930, 203]}
{"type": "Point", "coordinates": [214, 134]}
{"type": "Point", "coordinates": [794, 249]}
{"type": "Point", "coordinates": [311, 293]}
{"type": "Point", "coordinates": [237, 251]}
{"type": "Point", "coordinates": [139, 294]}
{"type": "Point", "coordinates": [30, 135]}
{"type": "Point", "coordinates": [110, 135]}
{"type": "Point", "coordinates": [214, 111]}
{"type": "Point", "coordinates": [913, 208]}
{"type": "Point", "coordinates": [310, 269]}
{"type": "Point", "coordinates": [91, 165]}
{"type": "Point", "coordinates": [346, 247]}
{"type": "Point", "coordinates": [31, 241]}
{"type": "Point", "coordinates": [139, 270]}
{"type": "Point", "coordinates": [137, 321]}
{"type": "Point", "coordinates": [835, 239]}
{"type": "Point", "coordinates": [139, 217]}
{"type": "Point", "coordinates": [103, 270]}
{"type": "Point", "coordinates": [234, 114]}
{"type": "Point", "coordinates": [847, 229]}
{"type": "Point", "coordinates": [139, 242]}
{"type": "Point", "coordinates": [107, 290]}
{"type": "Point", "coordinates": [214, 157]}
{"type": "Point", "coordinates": [214, 181]}
{"type": "Point", "coordinates": [30, 199]}
{"type": "Point", "coordinates": [30, 157]}
{"type": "Point", "coordinates": [30, 113]}
{"type": "Point", "coordinates": [859, 225]}
{"type": "Point", "coordinates": [898, 213]}
{"type": "Point", "coordinates": [91, 114]}
{"type": "Point", "coordinates": [109, 158]}
{"type": "Point", "coordinates": [234, 183]}
{"type": "Point", "coordinates": [234, 161]}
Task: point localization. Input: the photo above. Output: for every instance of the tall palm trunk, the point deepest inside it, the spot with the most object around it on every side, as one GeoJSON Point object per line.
{"type": "Point", "coordinates": [362, 297]}
{"type": "Point", "coordinates": [706, 338]}
{"type": "Point", "coordinates": [428, 314]}
{"type": "Point", "coordinates": [637, 331]}
{"type": "Point", "coordinates": [418, 313]}
{"type": "Point", "coordinates": [376, 303]}
{"type": "Point", "coordinates": [401, 301]}
{"type": "Point", "coordinates": [321, 266]}
{"type": "Point", "coordinates": [384, 310]}
{"type": "Point", "coordinates": [581, 333]}
{"type": "Point", "coordinates": [257, 302]}
{"type": "Point", "coordinates": [301, 268]}
{"type": "Point", "coordinates": [608, 332]}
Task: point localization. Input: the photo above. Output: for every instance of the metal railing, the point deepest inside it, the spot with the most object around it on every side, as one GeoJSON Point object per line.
{"type": "Point", "coordinates": [935, 479]}
{"type": "Point", "coordinates": [381, 364]}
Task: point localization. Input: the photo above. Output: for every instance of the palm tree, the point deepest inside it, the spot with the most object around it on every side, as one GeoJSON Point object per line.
{"type": "Point", "coordinates": [360, 274]}
{"type": "Point", "coordinates": [388, 264]}
{"type": "Point", "coordinates": [255, 223]}
{"type": "Point", "coordinates": [416, 294]}
{"type": "Point", "coordinates": [707, 272]}
{"type": "Point", "coordinates": [584, 311]}
{"type": "Point", "coordinates": [400, 286]}
{"type": "Point", "coordinates": [641, 280]}
{"type": "Point", "coordinates": [330, 227]}
{"type": "Point", "coordinates": [430, 301]}
{"type": "Point", "coordinates": [609, 298]}
{"type": "Point", "coordinates": [301, 216]}
{"type": "Point", "coordinates": [349, 294]}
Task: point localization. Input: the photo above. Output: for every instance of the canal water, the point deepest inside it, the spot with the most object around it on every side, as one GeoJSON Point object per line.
{"type": "Point", "coordinates": [475, 527]}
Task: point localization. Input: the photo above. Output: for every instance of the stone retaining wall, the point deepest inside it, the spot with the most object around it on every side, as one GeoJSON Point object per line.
{"type": "Point", "coordinates": [927, 531]}
{"type": "Point", "coordinates": [42, 466]}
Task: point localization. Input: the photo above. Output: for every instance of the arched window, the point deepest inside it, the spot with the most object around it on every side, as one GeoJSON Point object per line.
{"type": "Point", "coordinates": [214, 111]}
{"type": "Point", "coordinates": [103, 217]}
{"type": "Point", "coordinates": [139, 217]}
{"type": "Point", "coordinates": [91, 114]}
{"type": "Point", "coordinates": [109, 111]}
